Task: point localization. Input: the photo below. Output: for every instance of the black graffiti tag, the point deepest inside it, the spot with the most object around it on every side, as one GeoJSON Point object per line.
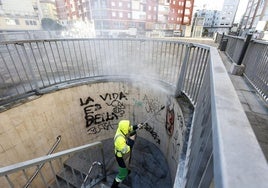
{"type": "Point", "coordinates": [151, 105]}
{"type": "Point", "coordinates": [99, 118]}
{"type": "Point", "coordinates": [150, 129]}
{"type": "Point", "coordinates": [95, 115]}
{"type": "Point", "coordinates": [89, 99]}
{"type": "Point", "coordinates": [113, 96]}
{"type": "Point", "coordinates": [98, 128]}
{"type": "Point", "coordinates": [114, 100]}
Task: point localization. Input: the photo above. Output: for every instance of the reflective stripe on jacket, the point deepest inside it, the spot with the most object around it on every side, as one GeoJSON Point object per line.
{"type": "Point", "coordinates": [120, 145]}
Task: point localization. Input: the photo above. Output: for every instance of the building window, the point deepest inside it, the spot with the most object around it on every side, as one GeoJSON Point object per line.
{"type": "Point", "coordinates": [10, 21]}
{"type": "Point", "coordinates": [120, 14]}
{"type": "Point", "coordinates": [17, 22]}
{"type": "Point", "coordinates": [187, 12]}
{"type": "Point", "coordinates": [128, 15]}
{"type": "Point", "coordinates": [188, 4]}
{"type": "Point", "coordinates": [113, 4]}
{"type": "Point", "coordinates": [113, 14]}
{"type": "Point", "coordinates": [120, 4]}
{"type": "Point", "coordinates": [186, 19]}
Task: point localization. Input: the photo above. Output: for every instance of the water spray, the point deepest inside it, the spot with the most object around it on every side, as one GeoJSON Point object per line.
{"type": "Point", "coordinates": [147, 120]}
{"type": "Point", "coordinates": [142, 124]}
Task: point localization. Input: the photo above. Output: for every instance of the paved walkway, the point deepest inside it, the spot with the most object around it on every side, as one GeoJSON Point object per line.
{"type": "Point", "coordinates": [255, 108]}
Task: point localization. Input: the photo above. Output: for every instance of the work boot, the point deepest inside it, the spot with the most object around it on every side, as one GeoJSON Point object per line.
{"type": "Point", "coordinates": [115, 184]}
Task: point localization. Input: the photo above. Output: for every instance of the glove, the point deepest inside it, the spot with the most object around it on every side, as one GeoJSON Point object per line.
{"type": "Point", "coordinates": [130, 142]}
{"type": "Point", "coordinates": [132, 133]}
{"type": "Point", "coordinates": [140, 125]}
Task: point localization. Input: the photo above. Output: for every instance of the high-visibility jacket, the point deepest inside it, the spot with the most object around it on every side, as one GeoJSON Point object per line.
{"type": "Point", "coordinates": [120, 140]}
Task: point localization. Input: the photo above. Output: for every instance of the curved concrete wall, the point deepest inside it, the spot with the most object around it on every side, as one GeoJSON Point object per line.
{"type": "Point", "coordinates": [89, 113]}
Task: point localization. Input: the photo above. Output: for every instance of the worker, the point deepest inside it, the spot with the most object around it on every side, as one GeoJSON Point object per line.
{"type": "Point", "coordinates": [124, 140]}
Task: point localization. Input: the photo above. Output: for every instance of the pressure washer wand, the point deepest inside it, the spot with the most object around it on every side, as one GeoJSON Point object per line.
{"type": "Point", "coordinates": [142, 124]}
{"type": "Point", "coordinates": [147, 120]}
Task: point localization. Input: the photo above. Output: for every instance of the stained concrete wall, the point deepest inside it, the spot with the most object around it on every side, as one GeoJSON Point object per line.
{"type": "Point", "coordinates": [88, 113]}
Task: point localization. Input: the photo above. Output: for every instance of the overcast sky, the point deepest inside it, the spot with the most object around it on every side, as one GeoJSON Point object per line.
{"type": "Point", "coordinates": [217, 5]}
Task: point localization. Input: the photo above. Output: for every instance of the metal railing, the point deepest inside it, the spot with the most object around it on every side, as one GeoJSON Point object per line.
{"type": "Point", "coordinates": [222, 145]}
{"type": "Point", "coordinates": [30, 35]}
{"type": "Point", "coordinates": [36, 67]}
{"type": "Point", "coordinates": [256, 67]}
{"type": "Point", "coordinates": [89, 171]}
{"type": "Point", "coordinates": [221, 140]}
{"type": "Point", "coordinates": [234, 47]}
{"type": "Point", "coordinates": [30, 180]}
{"type": "Point", "coordinates": [51, 163]}
{"type": "Point", "coordinates": [254, 59]}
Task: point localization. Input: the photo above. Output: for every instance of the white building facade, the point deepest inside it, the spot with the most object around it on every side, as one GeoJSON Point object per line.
{"type": "Point", "coordinates": [255, 19]}
{"type": "Point", "coordinates": [19, 15]}
{"type": "Point", "coordinates": [218, 20]}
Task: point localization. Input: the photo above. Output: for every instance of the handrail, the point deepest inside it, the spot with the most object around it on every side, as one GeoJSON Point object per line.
{"type": "Point", "coordinates": [89, 171]}
{"type": "Point", "coordinates": [41, 166]}
{"type": "Point", "coordinates": [5, 171]}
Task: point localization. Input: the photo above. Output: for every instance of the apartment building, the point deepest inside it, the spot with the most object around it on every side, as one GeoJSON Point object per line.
{"type": "Point", "coordinates": [127, 17]}
{"type": "Point", "coordinates": [19, 15]}
{"type": "Point", "coordinates": [70, 10]}
{"type": "Point", "coordinates": [180, 12]}
{"type": "Point", "coordinates": [228, 13]}
{"type": "Point", "coordinates": [174, 16]}
{"type": "Point", "coordinates": [48, 9]}
{"type": "Point", "coordinates": [124, 17]}
{"type": "Point", "coordinates": [211, 17]}
{"type": "Point", "coordinates": [256, 13]}
{"type": "Point", "coordinates": [107, 17]}
{"type": "Point", "coordinates": [218, 20]}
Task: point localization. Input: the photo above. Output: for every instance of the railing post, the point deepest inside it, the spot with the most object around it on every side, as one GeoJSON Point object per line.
{"type": "Point", "coordinates": [182, 73]}
{"type": "Point", "coordinates": [222, 37]}
{"type": "Point", "coordinates": [238, 69]}
{"type": "Point", "coordinates": [244, 49]}
{"type": "Point", "coordinates": [30, 68]}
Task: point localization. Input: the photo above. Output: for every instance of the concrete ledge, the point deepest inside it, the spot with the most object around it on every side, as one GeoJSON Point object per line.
{"type": "Point", "coordinates": [238, 158]}
{"type": "Point", "coordinates": [237, 69]}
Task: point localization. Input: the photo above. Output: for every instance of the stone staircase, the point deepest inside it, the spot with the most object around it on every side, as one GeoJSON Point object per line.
{"type": "Point", "coordinates": [148, 168]}
{"type": "Point", "coordinates": [75, 170]}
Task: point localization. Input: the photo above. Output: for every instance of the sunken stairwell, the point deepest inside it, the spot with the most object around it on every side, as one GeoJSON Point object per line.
{"type": "Point", "coordinates": [148, 168]}
{"type": "Point", "coordinates": [75, 170]}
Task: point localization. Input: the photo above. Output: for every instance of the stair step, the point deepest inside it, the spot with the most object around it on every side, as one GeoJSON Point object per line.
{"type": "Point", "coordinates": [104, 185]}
{"type": "Point", "coordinates": [124, 186]}
{"type": "Point", "coordinates": [67, 175]}
{"type": "Point", "coordinates": [62, 184]}
{"type": "Point", "coordinates": [108, 185]}
{"type": "Point", "coordinates": [80, 162]}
